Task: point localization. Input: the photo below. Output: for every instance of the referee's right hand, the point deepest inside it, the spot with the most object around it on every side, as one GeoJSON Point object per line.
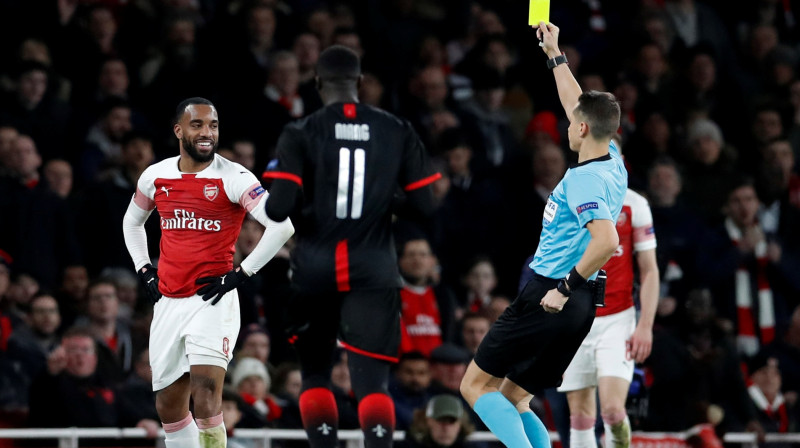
{"type": "Point", "coordinates": [553, 301]}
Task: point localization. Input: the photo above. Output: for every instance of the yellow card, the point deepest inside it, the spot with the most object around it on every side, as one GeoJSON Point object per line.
{"type": "Point", "coordinates": [539, 12]}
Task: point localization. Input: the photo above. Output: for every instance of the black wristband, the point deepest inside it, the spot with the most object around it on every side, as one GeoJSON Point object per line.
{"type": "Point", "coordinates": [574, 280]}
{"type": "Point", "coordinates": [558, 60]}
{"type": "Point", "coordinates": [562, 288]}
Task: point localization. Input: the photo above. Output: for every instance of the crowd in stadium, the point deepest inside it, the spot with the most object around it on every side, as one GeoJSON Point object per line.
{"type": "Point", "coordinates": [710, 99]}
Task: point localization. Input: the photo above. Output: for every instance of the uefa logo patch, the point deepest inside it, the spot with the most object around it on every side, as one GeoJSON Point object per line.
{"type": "Point", "coordinates": [211, 191]}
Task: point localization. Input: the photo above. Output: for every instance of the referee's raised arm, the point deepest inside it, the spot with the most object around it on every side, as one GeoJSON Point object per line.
{"type": "Point", "coordinates": [568, 88]}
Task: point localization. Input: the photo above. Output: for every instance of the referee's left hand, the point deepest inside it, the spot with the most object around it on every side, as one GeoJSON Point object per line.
{"type": "Point", "coordinates": [553, 301]}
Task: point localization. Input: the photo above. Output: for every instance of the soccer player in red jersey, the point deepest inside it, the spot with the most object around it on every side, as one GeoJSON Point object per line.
{"type": "Point", "coordinates": [202, 199]}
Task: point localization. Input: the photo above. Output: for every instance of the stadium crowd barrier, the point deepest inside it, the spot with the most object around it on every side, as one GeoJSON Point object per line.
{"type": "Point", "coordinates": [70, 437]}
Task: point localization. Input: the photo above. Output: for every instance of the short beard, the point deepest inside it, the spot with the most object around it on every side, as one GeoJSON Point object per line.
{"type": "Point", "coordinates": [195, 154]}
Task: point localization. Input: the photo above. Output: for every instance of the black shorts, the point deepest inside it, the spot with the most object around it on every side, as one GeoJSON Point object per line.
{"type": "Point", "coordinates": [531, 346]}
{"type": "Point", "coordinates": [364, 321]}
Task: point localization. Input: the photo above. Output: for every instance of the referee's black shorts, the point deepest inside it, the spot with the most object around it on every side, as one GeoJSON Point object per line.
{"type": "Point", "coordinates": [364, 321]}
{"type": "Point", "coordinates": [531, 346]}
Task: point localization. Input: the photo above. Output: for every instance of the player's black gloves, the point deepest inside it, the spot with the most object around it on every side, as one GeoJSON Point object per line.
{"type": "Point", "coordinates": [148, 275]}
{"type": "Point", "coordinates": [216, 287]}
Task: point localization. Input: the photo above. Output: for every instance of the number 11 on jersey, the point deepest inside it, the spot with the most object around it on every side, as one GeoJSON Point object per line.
{"type": "Point", "coordinates": [343, 192]}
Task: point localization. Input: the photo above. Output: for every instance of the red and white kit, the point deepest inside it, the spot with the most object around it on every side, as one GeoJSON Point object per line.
{"type": "Point", "coordinates": [603, 351]}
{"type": "Point", "coordinates": [201, 216]}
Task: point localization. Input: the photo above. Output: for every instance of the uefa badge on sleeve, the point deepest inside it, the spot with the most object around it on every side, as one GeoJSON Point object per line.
{"type": "Point", "coordinates": [211, 191]}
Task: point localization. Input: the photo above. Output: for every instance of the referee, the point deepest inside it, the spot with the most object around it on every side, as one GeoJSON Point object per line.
{"type": "Point", "coordinates": [533, 342]}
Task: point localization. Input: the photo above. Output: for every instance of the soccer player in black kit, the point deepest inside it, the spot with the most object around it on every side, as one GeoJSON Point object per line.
{"type": "Point", "coordinates": [347, 162]}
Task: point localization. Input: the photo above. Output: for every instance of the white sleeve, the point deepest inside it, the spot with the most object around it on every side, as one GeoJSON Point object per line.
{"type": "Point", "coordinates": [644, 236]}
{"type": "Point", "coordinates": [135, 236]}
{"type": "Point", "coordinates": [275, 236]}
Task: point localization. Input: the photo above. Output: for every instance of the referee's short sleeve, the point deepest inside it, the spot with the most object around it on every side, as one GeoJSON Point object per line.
{"type": "Point", "coordinates": [586, 197]}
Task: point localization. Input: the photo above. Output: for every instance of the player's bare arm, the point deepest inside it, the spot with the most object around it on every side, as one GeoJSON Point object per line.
{"type": "Point", "coordinates": [568, 88]}
{"type": "Point", "coordinates": [601, 247]}
{"type": "Point", "coordinates": [642, 338]}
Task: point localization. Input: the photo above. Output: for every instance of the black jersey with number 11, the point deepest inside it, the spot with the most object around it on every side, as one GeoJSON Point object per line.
{"type": "Point", "coordinates": [350, 160]}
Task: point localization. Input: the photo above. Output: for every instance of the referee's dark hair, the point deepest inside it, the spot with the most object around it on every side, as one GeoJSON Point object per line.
{"type": "Point", "coordinates": [600, 110]}
{"type": "Point", "coordinates": [181, 109]}
{"type": "Point", "coordinates": [338, 64]}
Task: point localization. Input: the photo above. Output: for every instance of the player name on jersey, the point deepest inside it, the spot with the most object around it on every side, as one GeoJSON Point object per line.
{"type": "Point", "coordinates": [349, 131]}
{"type": "Point", "coordinates": [187, 220]}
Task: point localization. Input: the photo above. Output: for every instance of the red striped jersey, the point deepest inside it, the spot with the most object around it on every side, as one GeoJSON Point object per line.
{"type": "Point", "coordinates": [635, 229]}
{"type": "Point", "coordinates": [201, 216]}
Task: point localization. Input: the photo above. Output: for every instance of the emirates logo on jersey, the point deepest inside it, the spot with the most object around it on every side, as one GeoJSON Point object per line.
{"type": "Point", "coordinates": [211, 191]}
{"type": "Point", "coordinates": [187, 220]}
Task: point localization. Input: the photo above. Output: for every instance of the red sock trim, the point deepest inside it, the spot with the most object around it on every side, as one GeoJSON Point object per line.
{"type": "Point", "coordinates": [211, 422]}
{"type": "Point", "coordinates": [581, 422]}
{"type": "Point", "coordinates": [376, 409]}
{"type": "Point", "coordinates": [177, 426]}
{"type": "Point", "coordinates": [318, 406]}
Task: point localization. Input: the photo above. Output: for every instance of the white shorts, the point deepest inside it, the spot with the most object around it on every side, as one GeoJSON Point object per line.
{"type": "Point", "coordinates": [189, 331]}
{"type": "Point", "coordinates": [602, 352]}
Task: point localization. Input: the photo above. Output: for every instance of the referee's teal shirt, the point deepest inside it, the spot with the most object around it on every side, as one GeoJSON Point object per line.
{"type": "Point", "coordinates": [594, 189]}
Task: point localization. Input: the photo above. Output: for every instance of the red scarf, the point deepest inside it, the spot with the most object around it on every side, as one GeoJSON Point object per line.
{"type": "Point", "coordinates": [748, 341]}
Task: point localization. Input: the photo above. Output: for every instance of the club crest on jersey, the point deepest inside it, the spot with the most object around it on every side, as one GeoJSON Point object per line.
{"type": "Point", "coordinates": [211, 191]}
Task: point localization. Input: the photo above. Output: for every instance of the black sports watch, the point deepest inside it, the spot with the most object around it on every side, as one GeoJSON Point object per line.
{"type": "Point", "coordinates": [556, 61]}
{"type": "Point", "coordinates": [563, 288]}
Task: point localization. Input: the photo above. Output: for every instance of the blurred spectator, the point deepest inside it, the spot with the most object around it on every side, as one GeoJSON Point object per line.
{"type": "Point", "coordinates": [251, 380]}
{"type": "Point", "coordinates": [496, 307]}
{"type": "Point", "coordinates": [127, 286]}
{"type": "Point", "coordinates": [653, 78]}
{"type": "Point", "coordinates": [371, 90]}
{"type": "Point", "coordinates": [779, 189]}
{"type": "Point", "coordinates": [36, 229]}
{"type": "Point", "coordinates": [428, 312]}
{"type": "Point", "coordinates": [115, 345]}
{"type": "Point", "coordinates": [696, 23]}
{"type": "Point", "coordinates": [747, 273]}
{"type": "Point", "coordinates": [767, 125]}
{"type": "Point", "coordinates": [408, 387]}
{"type": "Point", "coordinates": [137, 390]}
{"type": "Point", "coordinates": [58, 175]}
{"type": "Point", "coordinates": [24, 161]}
{"type": "Point", "coordinates": [32, 111]}
{"type": "Point", "coordinates": [34, 342]}
{"type": "Point", "coordinates": [652, 139]}
{"type": "Point", "coordinates": [288, 381]}
{"type": "Point", "coordinates": [473, 328]}
{"type": "Point", "coordinates": [341, 387]}
{"type": "Point", "coordinates": [428, 94]}
{"type": "Point", "coordinates": [103, 146]}
{"type": "Point", "coordinates": [8, 134]}
{"type": "Point", "coordinates": [104, 205]}
{"type": "Point", "coordinates": [232, 415]}
{"type": "Point", "coordinates": [244, 152]}
{"type": "Point", "coordinates": [710, 169]}
{"type": "Point", "coordinates": [442, 423]}
{"type": "Point", "coordinates": [486, 122]}
{"type": "Point", "coordinates": [255, 343]}
{"type": "Point", "coordinates": [448, 365]}
{"type": "Point", "coordinates": [71, 294]}
{"type": "Point", "coordinates": [472, 210]}
{"type": "Point", "coordinates": [251, 58]}
{"type": "Point", "coordinates": [73, 393]}
{"type": "Point", "coordinates": [786, 350]}
{"type": "Point", "coordinates": [306, 49]}
{"type": "Point", "coordinates": [21, 290]}
{"type": "Point", "coordinates": [349, 38]}
{"type": "Point", "coordinates": [775, 413]}
{"type": "Point", "coordinates": [679, 233]}
{"type": "Point", "coordinates": [479, 281]}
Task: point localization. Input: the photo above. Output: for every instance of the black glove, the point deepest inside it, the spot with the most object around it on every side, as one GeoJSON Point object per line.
{"type": "Point", "coordinates": [216, 287]}
{"type": "Point", "coordinates": [148, 275]}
